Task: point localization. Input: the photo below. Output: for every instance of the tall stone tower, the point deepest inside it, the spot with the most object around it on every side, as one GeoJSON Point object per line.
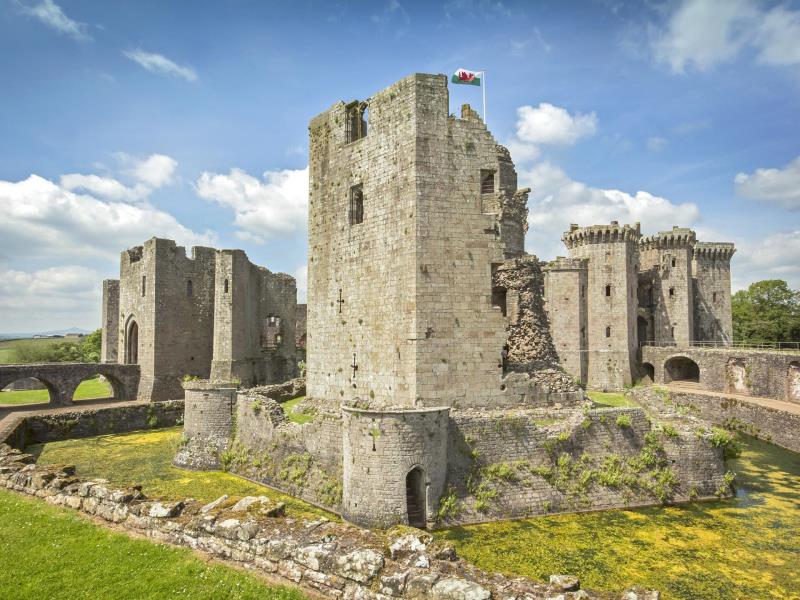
{"type": "Point", "coordinates": [711, 267]}
{"type": "Point", "coordinates": [612, 253]}
{"type": "Point", "coordinates": [408, 207]}
{"type": "Point", "coordinates": [666, 274]}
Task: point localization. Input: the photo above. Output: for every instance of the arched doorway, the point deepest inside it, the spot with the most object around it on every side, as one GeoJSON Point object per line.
{"type": "Point", "coordinates": [681, 368]}
{"type": "Point", "coordinates": [132, 343]}
{"type": "Point", "coordinates": [793, 381]}
{"type": "Point", "coordinates": [415, 498]}
{"type": "Point", "coordinates": [29, 390]}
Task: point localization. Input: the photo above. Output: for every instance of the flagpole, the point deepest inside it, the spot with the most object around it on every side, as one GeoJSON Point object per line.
{"type": "Point", "coordinates": [483, 88]}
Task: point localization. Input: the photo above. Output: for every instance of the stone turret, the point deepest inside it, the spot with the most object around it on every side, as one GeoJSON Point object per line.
{"type": "Point", "coordinates": [711, 268]}
{"type": "Point", "coordinates": [612, 253]}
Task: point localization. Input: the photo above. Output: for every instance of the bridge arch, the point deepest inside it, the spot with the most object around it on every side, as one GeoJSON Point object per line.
{"type": "Point", "coordinates": [16, 396]}
{"type": "Point", "coordinates": [681, 368]}
{"type": "Point", "coordinates": [99, 386]}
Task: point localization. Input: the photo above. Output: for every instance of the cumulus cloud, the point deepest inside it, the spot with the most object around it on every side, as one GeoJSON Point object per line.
{"type": "Point", "coordinates": [51, 221]}
{"type": "Point", "coordinates": [50, 13]}
{"type": "Point", "coordinates": [776, 256]}
{"type": "Point", "coordinates": [157, 170]}
{"type": "Point", "coordinates": [32, 301]}
{"type": "Point", "coordinates": [701, 34]}
{"type": "Point", "coordinates": [104, 187]}
{"type": "Point", "coordinates": [556, 201]}
{"type": "Point", "coordinates": [158, 63]}
{"type": "Point", "coordinates": [276, 205]}
{"type": "Point", "coordinates": [775, 186]}
{"type": "Point", "coordinates": [552, 125]}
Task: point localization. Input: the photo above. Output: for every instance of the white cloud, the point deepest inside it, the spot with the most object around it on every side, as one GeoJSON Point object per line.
{"type": "Point", "coordinates": [50, 221]}
{"type": "Point", "coordinates": [301, 276]}
{"type": "Point", "coordinates": [776, 186]}
{"type": "Point", "coordinates": [157, 63]}
{"type": "Point", "coordinates": [49, 298]}
{"type": "Point", "coordinates": [156, 170]}
{"type": "Point", "coordinates": [50, 13]}
{"type": "Point", "coordinates": [278, 205]}
{"type": "Point", "coordinates": [776, 256]}
{"type": "Point", "coordinates": [556, 201]}
{"type": "Point", "coordinates": [552, 125]}
{"type": "Point", "coordinates": [656, 143]}
{"type": "Point", "coordinates": [701, 34]}
{"type": "Point", "coordinates": [104, 187]}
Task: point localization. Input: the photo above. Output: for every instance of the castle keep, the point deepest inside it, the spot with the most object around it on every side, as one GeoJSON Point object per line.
{"type": "Point", "coordinates": [441, 357]}
{"type": "Point", "coordinates": [212, 315]}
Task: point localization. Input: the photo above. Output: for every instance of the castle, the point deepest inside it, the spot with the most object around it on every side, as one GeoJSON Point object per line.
{"type": "Point", "coordinates": [214, 315]}
{"type": "Point", "coordinates": [619, 290]}
{"type": "Point", "coordinates": [443, 362]}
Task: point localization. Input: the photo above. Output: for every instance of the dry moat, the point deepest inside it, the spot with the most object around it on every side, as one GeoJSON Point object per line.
{"type": "Point", "coordinates": [745, 547]}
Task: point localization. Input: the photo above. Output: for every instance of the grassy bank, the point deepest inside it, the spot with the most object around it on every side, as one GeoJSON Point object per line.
{"type": "Point", "coordinates": [603, 399]}
{"type": "Point", "coordinates": [53, 553]}
{"type": "Point", "coordinates": [90, 389]}
{"type": "Point", "coordinates": [143, 458]}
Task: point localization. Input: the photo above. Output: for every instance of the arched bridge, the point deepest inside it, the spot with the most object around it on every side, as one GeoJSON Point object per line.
{"type": "Point", "coordinates": [749, 372]}
{"type": "Point", "coordinates": [61, 379]}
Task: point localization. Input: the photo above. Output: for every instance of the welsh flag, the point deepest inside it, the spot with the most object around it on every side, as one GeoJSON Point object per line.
{"type": "Point", "coordinates": [466, 77]}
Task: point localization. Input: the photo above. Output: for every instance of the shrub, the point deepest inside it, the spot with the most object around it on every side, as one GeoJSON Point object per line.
{"type": "Point", "coordinates": [449, 506]}
{"type": "Point", "coordinates": [720, 438]}
{"type": "Point", "coordinates": [624, 421]}
{"type": "Point", "coordinates": [669, 430]}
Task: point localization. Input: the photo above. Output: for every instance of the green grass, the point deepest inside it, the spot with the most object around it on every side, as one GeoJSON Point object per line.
{"type": "Point", "coordinates": [54, 553]}
{"type": "Point", "coordinates": [144, 458]}
{"type": "Point", "coordinates": [744, 548]}
{"type": "Point", "coordinates": [90, 389]}
{"type": "Point", "coordinates": [605, 399]}
{"type": "Point", "coordinates": [7, 347]}
{"type": "Point", "coordinates": [295, 416]}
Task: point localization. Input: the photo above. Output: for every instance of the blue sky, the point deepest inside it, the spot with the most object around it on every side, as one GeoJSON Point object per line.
{"type": "Point", "coordinates": [124, 120]}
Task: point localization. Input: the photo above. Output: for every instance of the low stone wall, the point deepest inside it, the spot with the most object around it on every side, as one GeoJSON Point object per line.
{"type": "Point", "coordinates": [770, 424]}
{"type": "Point", "coordinates": [37, 429]}
{"type": "Point", "coordinates": [332, 559]}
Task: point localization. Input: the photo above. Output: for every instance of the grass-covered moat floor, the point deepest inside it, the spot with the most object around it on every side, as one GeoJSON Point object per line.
{"type": "Point", "coordinates": [745, 548]}
{"type": "Point", "coordinates": [144, 458]}
{"type": "Point", "coordinates": [53, 553]}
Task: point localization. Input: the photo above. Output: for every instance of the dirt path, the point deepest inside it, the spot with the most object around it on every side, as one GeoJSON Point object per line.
{"type": "Point", "coordinates": [782, 405]}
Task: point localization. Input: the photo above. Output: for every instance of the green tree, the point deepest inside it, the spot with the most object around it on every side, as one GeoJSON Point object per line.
{"type": "Point", "coordinates": [37, 351]}
{"type": "Point", "coordinates": [91, 346]}
{"type": "Point", "coordinates": [767, 311]}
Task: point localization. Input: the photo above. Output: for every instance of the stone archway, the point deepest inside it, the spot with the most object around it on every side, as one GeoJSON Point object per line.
{"type": "Point", "coordinates": [681, 368]}
{"type": "Point", "coordinates": [132, 342]}
{"type": "Point", "coordinates": [648, 372]}
{"type": "Point", "coordinates": [28, 391]}
{"type": "Point", "coordinates": [415, 498]}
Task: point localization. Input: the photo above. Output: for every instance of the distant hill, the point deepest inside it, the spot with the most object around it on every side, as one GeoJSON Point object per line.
{"type": "Point", "coordinates": [17, 336]}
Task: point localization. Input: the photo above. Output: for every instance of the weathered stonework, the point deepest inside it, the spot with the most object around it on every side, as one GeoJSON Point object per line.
{"type": "Point", "coordinates": [109, 342]}
{"type": "Point", "coordinates": [208, 424]}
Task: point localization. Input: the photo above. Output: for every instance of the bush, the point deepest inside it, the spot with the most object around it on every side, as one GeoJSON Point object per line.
{"type": "Point", "coordinates": [720, 438]}
{"type": "Point", "coordinates": [624, 421]}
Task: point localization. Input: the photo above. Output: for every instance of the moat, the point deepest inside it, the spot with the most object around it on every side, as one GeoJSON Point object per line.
{"type": "Point", "coordinates": [745, 547]}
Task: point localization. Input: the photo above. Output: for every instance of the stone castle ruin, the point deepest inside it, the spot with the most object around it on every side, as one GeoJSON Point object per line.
{"type": "Point", "coordinates": [443, 362]}
{"type": "Point", "coordinates": [214, 315]}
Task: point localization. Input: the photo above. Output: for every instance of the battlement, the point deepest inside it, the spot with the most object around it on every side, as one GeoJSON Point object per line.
{"type": "Point", "coordinates": [678, 237]}
{"type": "Point", "coordinates": [714, 250]}
{"type": "Point", "coordinates": [601, 234]}
{"type": "Point", "coordinates": [563, 263]}
{"type": "Point", "coordinates": [165, 248]}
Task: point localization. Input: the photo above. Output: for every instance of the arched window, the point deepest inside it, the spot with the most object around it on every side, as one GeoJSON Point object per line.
{"type": "Point", "coordinates": [132, 343]}
{"type": "Point", "coordinates": [189, 290]}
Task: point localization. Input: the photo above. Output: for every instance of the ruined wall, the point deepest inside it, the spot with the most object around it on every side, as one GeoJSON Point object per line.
{"type": "Point", "coordinates": [254, 322]}
{"type": "Point", "coordinates": [566, 280]}
{"type": "Point", "coordinates": [711, 268]}
{"type": "Point", "coordinates": [612, 253]}
{"type": "Point", "coordinates": [171, 299]}
{"type": "Point", "coordinates": [666, 264]}
{"type": "Point", "coordinates": [109, 345]}
{"type": "Point", "coordinates": [209, 417]}
{"type": "Point", "coordinates": [380, 450]}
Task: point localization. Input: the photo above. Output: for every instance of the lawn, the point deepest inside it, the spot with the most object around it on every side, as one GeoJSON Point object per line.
{"type": "Point", "coordinates": [606, 399]}
{"type": "Point", "coordinates": [144, 458]}
{"type": "Point", "coordinates": [90, 389]}
{"type": "Point", "coordinates": [54, 553]}
{"type": "Point", "coordinates": [7, 346]}
{"type": "Point", "coordinates": [293, 414]}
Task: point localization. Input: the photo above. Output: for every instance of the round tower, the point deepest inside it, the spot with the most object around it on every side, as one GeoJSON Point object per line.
{"type": "Point", "coordinates": [208, 424]}
{"type": "Point", "coordinates": [612, 253]}
{"type": "Point", "coordinates": [395, 465]}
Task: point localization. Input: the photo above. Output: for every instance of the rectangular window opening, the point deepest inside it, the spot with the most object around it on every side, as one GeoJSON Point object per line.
{"type": "Point", "coordinates": [608, 290]}
{"type": "Point", "coordinates": [487, 181]}
{"type": "Point", "coordinates": [356, 205]}
{"type": "Point", "coordinates": [499, 299]}
{"type": "Point", "coordinates": [144, 284]}
{"type": "Point", "coordinates": [671, 292]}
{"type": "Point", "coordinates": [608, 332]}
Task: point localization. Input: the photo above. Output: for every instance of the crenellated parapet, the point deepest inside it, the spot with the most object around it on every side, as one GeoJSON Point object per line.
{"type": "Point", "coordinates": [714, 250]}
{"type": "Point", "coordinates": [677, 238]}
{"type": "Point", "coordinates": [601, 234]}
